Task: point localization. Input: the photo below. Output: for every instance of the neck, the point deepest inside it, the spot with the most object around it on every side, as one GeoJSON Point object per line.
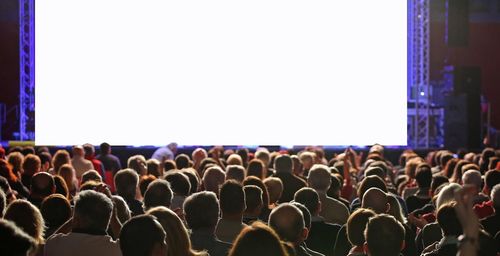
{"type": "Point", "coordinates": [233, 217]}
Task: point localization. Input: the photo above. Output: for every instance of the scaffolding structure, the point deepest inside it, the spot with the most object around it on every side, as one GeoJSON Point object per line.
{"type": "Point", "coordinates": [419, 89]}
{"type": "Point", "coordinates": [27, 70]}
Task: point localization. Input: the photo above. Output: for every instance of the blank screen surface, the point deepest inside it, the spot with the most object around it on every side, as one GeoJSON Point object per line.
{"type": "Point", "coordinates": [219, 72]}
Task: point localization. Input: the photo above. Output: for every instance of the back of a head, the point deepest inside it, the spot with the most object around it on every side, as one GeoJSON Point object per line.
{"type": "Point", "coordinates": [257, 239]}
{"type": "Point", "coordinates": [235, 172]}
{"type": "Point", "coordinates": [371, 182]}
{"type": "Point", "coordinates": [309, 198]}
{"type": "Point", "coordinates": [319, 177]}
{"type": "Point", "coordinates": [89, 150]}
{"type": "Point", "coordinates": [212, 178]}
{"type": "Point", "coordinates": [194, 180]}
{"type": "Point", "coordinates": [287, 220]}
{"type": "Point", "coordinates": [93, 210]}
{"type": "Point", "coordinates": [235, 159]}
{"type": "Point", "coordinates": [91, 175]}
{"type": "Point", "coordinates": [3, 202]}
{"type": "Point", "coordinates": [169, 165]}
{"type": "Point", "coordinates": [177, 235]}
{"type": "Point", "coordinates": [274, 188]}
{"type": "Point", "coordinates": [384, 236]}
{"type": "Point", "coordinates": [305, 213]}
{"type": "Point", "coordinates": [31, 164]}
{"type": "Point", "coordinates": [179, 182]}
{"type": "Point", "coordinates": [26, 216]}
{"type": "Point", "coordinates": [182, 161]}
{"type": "Point", "coordinates": [448, 220]}
{"type": "Point", "coordinates": [447, 194]}
{"type": "Point", "coordinates": [126, 182]}
{"type": "Point", "coordinates": [375, 170]}
{"type": "Point", "coordinates": [15, 242]}
{"type": "Point", "coordinates": [201, 210]}
{"type": "Point", "coordinates": [492, 178]}
{"type": "Point", "coordinates": [375, 199]}
{"type": "Point", "coordinates": [141, 236]}
{"type": "Point", "coordinates": [472, 177]}
{"type": "Point", "coordinates": [158, 193]}
{"type": "Point", "coordinates": [423, 175]}
{"type": "Point", "coordinates": [495, 197]}
{"type": "Point", "coordinates": [153, 167]}
{"type": "Point", "coordinates": [78, 151]}
{"type": "Point", "coordinates": [122, 211]}
{"type": "Point", "coordinates": [356, 225]}
{"type": "Point", "coordinates": [263, 155]}
{"type": "Point", "coordinates": [42, 184]}
{"type": "Point", "coordinates": [283, 164]}
{"type": "Point", "coordinates": [56, 210]}
{"type": "Point", "coordinates": [256, 168]}
{"type": "Point", "coordinates": [105, 148]}
{"type": "Point", "coordinates": [232, 198]}
{"type": "Point", "coordinates": [138, 164]}
{"type": "Point", "coordinates": [253, 198]}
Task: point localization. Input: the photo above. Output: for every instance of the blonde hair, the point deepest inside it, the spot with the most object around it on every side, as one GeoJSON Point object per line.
{"type": "Point", "coordinates": [177, 237]}
{"type": "Point", "coordinates": [27, 216]}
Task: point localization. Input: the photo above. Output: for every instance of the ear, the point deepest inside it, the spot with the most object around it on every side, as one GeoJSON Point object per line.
{"type": "Point", "coordinates": [305, 234]}
{"type": "Point", "coordinates": [365, 248]}
{"type": "Point", "coordinates": [387, 207]}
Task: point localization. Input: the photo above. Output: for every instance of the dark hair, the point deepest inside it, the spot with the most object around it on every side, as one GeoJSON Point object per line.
{"type": "Point", "coordinates": [283, 163]}
{"type": "Point", "coordinates": [492, 178]}
{"type": "Point", "coordinates": [15, 242]}
{"type": "Point", "coordinates": [126, 182]}
{"type": "Point", "coordinates": [448, 220]}
{"type": "Point", "coordinates": [179, 182]}
{"type": "Point", "coordinates": [45, 157]}
{"type": "Point", "coordinates": [309, 198]}
{"type": "Point", "coordinates": [182, 161]}
{"type": "Point", "coordinates": [232, 197]}
{"type": "Point", "coordinates": [169, 165]}
{"type": "Point", "coordinates": [235, 172]}
{"type": "Point", "coordinates": [387, 227]}
{"type": "Point", "coordinates": [253, 197]}
{"type": "Point", "coordinates": [257, 239]}
{"type": "Point", "coordinates": [3, 202]}
{"type": "Point", "coordinates": [42, 184]}
{"type": "Point", "coordinates": [93, 209]}
{"type": "Point", "coordinates": [31, 164]}
{"type": "Point", "coordinates": [423, 175]}
{"type": "Point", "coordinates": [61, 187]}
{"type": "Point", "coordinates": [144, 182]}
{"type": "Point", "coordinates": [256, 168]}
{"type": "Point", "coordinates": [202, 210]}
{"type": "Point", "coordinates": [105, 148]}
{"type": "Point", "coordinates": [56, 210]}
{"type": "Point", "coordinates": [194, 181]}
{"type": "Point", "coordinates": [91, 175]}
{"type": "Point", "coordinates": [375, 170]}
{"type": "Point", "coordinates": [450, 166]}
{"type": "Point", "coordinates": [140, 234]}
{"type": "Point", "coordinates": [28, 150]}
{"type": "Point", "coordinates": [356, 225]}
{"type": "Point", "coordinates": [259, 183]}
{"type": "Point", "coordinates": [305, 213]}
{"type": "Point", "coordinates": [158, 193]}
{"type": "Point", "coordinates": [371, 182]}
{"type": "Point", "coordinates": [437, 181]}
{"type": "Point", "coordinates": [243, 153]}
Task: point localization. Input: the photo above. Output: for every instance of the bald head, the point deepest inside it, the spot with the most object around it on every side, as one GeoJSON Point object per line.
{"type": "Point", "coordinates": [78, 151]}
{"type": "Point", "coordinates": [288, 222]}
{"type": "Point", "coordinates": [375, 199]}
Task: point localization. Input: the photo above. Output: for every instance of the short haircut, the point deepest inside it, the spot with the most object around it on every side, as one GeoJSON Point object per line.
{"type": "Point", "coordinates": [472, 177]}
{"type": "Point", "coordinates": [56, 210]}
{"type": "Point", "coordinates": [371, 182]}
{"type": "Point", "coordinates": [235, 172]}
{"type": "Point", "coordinates": [45, 157]}
{"type": "Point", "coordinates": [42, 184]}
{"type": "Point", "coordinates": [492, 178]}
{"type": "Point", "coordinates": [31, 164]}
{"type": "Point", "coordinates": [26, 216]}
{"type": "Point", "coordinates": [15, 241]}
{"type": "Point", "coordinates": [423, 175]}
{"type": "Point", "coordinates": [89, 149]}
{"type": "Point", "coordinates": [319, 177]}
{"type": "Point", "coordinates": [305, 213]}
{"type": "Point", "coordinates": [105, 148]}
{"type": "Point", "coordinates": [495, 197]}
{"type": "Point", "coordinates": [375, 170]}
{"type": "Point", "coordinates": [288, 221]}
{"type": "Point", "coordinates": [144, 182]}
{"type": "Point", "coordinates": [259, 183]}
{"type": "Point", "coordinates": [212, 178]}
{"type": "Point", "coordinates": [137, 163]}
{"type": "Point", "coordinates": [93, 210]}
{"type": "Point", "coordinates": [169, 165]}
{"type": "Point", "coordinates": [274, 188]}
{"type": "Point", "coordinates": [356, 225]}
{"type": "Point", "coordinates": [309, 198]}
{"type": "Point", "coordinates": [263, 155]}
{"type": "Point", "coordinates": [232, 197]}
{"type": "Point", "coordinates": [122, 211]}
{"type": "Point", "coordinates": [179, 183]}
{"type": "Point", "coordinates": [194, 180]}
{"type": "Point", "coordinates": [153, 167]}
{"type": "Point", "coordinates": [283, 163]}
{"type": "Point", "coordinates": [91, 175]}
{"type": "Point", "coordinates": [253, 197]}
{"type": "Point", "coordinates": [158, 193]}
{"type": "Point", "coordinates": [61, 186]}
{"type": "Point", "coordinates": [201, 210]}
{"type": "Point", "coordinates": [437, 181]}
{"type": "Point", "coordinates": [126, 182]}
{"type": "Point", "coordinates": [256, 168]}
{"type": "Point", "coordinates": [234, 159]}
{"type": "Point", "coordinates": [384, 235]}
{"type": "Point", "coordinates": [140, 234]}
{"type": "Point", "coordinates": [182, 161]}
{"type": "Point", "coordinates": [448, 220]}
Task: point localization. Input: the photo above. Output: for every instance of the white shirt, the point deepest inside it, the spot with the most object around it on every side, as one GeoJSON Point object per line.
{"type": "Point", "coordinates": [81, 244]}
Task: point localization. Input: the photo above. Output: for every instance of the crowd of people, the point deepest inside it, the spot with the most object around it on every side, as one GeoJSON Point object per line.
{"type": "Point", "coordinates": [239, 202]}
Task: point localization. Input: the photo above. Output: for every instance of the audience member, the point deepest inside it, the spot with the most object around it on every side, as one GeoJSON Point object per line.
{"type": "Point", "coordinates": [143, 235]}
{"type": "Point", "coordinates": [384, 236]}
{"type": "Point", "coordinates": [201, 213]}
{"type": "Point", "coordinates": [27, 216]}
{"type": "Point", "coordinates": [68, 173]}
{"type": "Point", "coordinates": [165, 153]}
{"type": "Point", "coordinates": [42, 186]}
{"type": "Point", "coordinates": [158, 193]}
{"type": "Point", "coordinates": [79, 162]}
{"type": "Point", "coordinates": [275, 188]}
{"type": "Point", "coordinates": [15, 241]}
{"type": "Point", "coordinates": [96, 163]}
{"type": "Point", "coordinates": [126, 183]}
{"type": "Point", "coordinates": [235, 172]}
{"type": "Point", "coordinates": [213, 177]}
{"type": "Point", "coordinates": [31, 166]}
{"type": "Point", "coordinates": [154, 168]}
{"type": "Point", "coordinates": [355, 228]}
{"type": "Point", "coordinates": [111, 162]}
{"type": "Point", "coordinates": [232, 206]}
{"type": "Point", "coordinates": [56, 210]}
{"type": "Point", "coordinates": [254, 203]}
{"type": "Point", "coordinates": [179, 183]}
{"type": "Point", "coordinates": [258, 239]}
{"type": "Point", "coordinates": [291, 183]}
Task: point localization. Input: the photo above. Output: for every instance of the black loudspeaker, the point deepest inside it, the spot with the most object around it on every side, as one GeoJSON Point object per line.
{"type": "Point", "coordinates": [457, 23]}
{"type": "Point", "coordinates": [463, 110]}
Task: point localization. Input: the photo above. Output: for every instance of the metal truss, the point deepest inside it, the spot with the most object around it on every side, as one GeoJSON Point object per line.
{"type": "Point", "coordinates": [27, 70]}
{"type": "Point", "coordinates": [419, 114]}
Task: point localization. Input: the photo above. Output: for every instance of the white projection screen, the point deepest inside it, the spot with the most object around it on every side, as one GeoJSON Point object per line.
{"type": "Point", "coordinates": [221, 72]}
